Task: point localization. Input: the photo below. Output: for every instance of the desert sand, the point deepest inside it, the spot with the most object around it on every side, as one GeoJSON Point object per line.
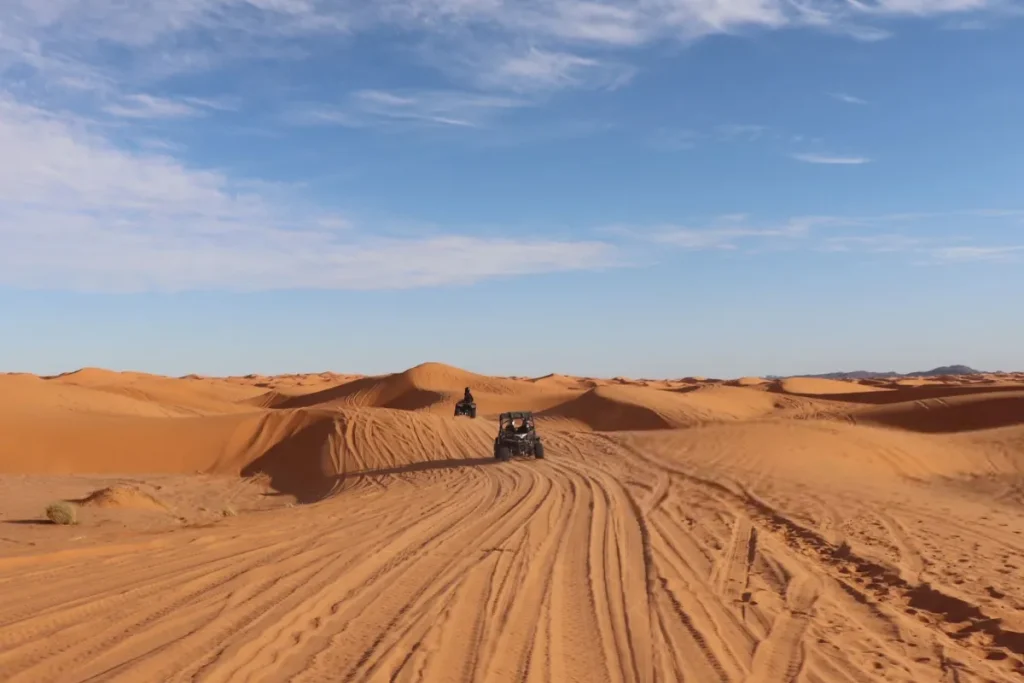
{"type": "Point", "coordinates": [347, 528]}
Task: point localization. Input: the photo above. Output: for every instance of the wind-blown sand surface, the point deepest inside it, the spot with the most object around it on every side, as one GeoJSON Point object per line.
{"type": "Point", "coordinates": [346, 528]}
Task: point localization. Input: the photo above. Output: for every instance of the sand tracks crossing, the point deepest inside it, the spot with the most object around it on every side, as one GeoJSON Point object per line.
{"type": "Point", "coordinates": [753, 551]}
{"type": "Point", "coordinates": [601, 563]}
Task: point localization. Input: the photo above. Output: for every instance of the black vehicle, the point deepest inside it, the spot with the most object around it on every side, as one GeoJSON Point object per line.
{"type": "Point", "coordinates": [464, 407]}
{"type": "Point", "coordinates": [518, 439]}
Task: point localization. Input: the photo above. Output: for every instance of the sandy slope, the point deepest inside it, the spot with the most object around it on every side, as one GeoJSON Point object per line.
{"type": "Point", "coordinates": [675, 531]}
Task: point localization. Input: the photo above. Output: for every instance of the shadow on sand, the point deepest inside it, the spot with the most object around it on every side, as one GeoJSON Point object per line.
{"type": "Point", "coordinates": [904, 394]}
{"type": "Point", "coordinates": [303, 466]}
{"type": "Point", "coordinates": [430, 465]}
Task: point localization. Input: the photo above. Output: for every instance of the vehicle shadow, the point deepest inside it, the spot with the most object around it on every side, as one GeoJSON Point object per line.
{"type": "Point", "coordinates": [31, 522]}
{"type": "Point", "coordinates": [430, 465]}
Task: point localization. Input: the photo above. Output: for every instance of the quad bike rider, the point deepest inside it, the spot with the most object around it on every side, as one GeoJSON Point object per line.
{"type": "Point", "coordinates": [467, 406]}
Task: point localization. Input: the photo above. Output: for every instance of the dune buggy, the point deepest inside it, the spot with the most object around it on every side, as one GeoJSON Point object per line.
{"type": "Point", "coordinates": [517, 435]}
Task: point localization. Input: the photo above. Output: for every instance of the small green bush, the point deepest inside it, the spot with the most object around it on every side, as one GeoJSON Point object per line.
{"type": "Point", "coordinates": [62, 513]}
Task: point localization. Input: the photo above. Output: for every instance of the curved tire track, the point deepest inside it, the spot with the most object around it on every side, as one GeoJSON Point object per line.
{"type": "Point", "coordinates": [600, 563]}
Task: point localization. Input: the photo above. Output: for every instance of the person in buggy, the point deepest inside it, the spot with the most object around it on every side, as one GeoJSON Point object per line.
{"type": "Point", "coordinates": [524, 426]}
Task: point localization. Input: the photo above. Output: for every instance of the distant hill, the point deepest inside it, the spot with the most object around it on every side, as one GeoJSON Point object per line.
{"type": "Point", "coordinates": [946, 370]}
{"type": "Point", "coordinates": [868, 374]}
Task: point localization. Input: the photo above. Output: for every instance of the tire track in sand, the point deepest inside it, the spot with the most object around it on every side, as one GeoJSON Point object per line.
{"type": "Point", "coordinates": [780, 657]}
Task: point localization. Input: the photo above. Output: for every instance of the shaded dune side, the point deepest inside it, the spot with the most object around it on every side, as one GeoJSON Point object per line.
{"type": "Point", "coordinates": [117, 444]}
{"type": "Point", "coordinates": [613, 409]}
{"type": "Point", "coordinates": [951, 414]}
{"type": "Point", "coordinates": [336, 447]}
{"type": "Point", "coordinates": [305, 452]}
{"type": "Point", "coordinates": [270, 399]}
{"type": "Point", "coordinates": [625, 408]}
{"type": "Point", "coordinates": [887, 394]}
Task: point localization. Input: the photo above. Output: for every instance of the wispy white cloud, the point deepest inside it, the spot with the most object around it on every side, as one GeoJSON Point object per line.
{"type": "Point", "coordinates": [565, 40]}
{"type": "Point", "coordinates": [876, 243]}
{"type": "Point", "coordinates": [159, 145]}
{"type": "Point", "coordinates": [813, 158]}
{"type": "Point", "coordinates": [941, 237]}
{"type": "Point", "coordinates": [613, 22]}
{"type": "Point", "coordinates": [967, 25]}
{"type": "Point", "coordinates": [919, 7]}
{"type": "Point", "coordinates": [76, 212]}
{"type": "Point", "coordinates": [150, 107]}
{"type": "Point", "coordinates": [729, 232]}
{"type": "Point", "coordinates": [540, 70]}
{"type": "Point", "coordinates": [84, 212]}
{"type": "Point", "coordinates": [961, 254]}
{"type": "Point", "coordinates": [865, 34]}
{"type": "Point", "coordinates": [674, 139]}
{"type": "Point", "coordinates": [847, 98]}
{"type": "Point", "coordinates": [214, 103]}
{"type": "Point", "coordinates": [416, 107]}
{"type": "Point", "coordinates": [741, 131]}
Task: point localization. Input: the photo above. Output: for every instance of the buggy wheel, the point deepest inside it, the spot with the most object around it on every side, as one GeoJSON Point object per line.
{"type": "Point", "coordinates": [472, 411]}
{"type": "Point", "coordinates": [504, 454]}
{"type": "Point", "coordinates": [538, 450]}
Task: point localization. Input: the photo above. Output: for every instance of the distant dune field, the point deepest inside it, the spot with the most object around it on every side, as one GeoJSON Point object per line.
{"type": "Point", "coordinates": [344, 527]}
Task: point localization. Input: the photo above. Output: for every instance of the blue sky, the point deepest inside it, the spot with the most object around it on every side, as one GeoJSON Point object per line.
{"type": "Point", "coordinates": [635, 187]}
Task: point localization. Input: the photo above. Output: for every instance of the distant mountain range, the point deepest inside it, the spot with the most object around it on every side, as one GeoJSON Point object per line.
{"type": "Point", "coordinates": [868, 374]}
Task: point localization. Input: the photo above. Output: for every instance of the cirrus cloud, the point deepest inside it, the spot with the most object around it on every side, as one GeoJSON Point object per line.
{"type": "Point", "coordinates": [830, 159]}
{"type": "Point", "coordinates": [76, 212]}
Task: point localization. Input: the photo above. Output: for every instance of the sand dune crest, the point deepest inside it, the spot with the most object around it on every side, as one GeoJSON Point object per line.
{"type": "Point", "coordinates": [343, 527]}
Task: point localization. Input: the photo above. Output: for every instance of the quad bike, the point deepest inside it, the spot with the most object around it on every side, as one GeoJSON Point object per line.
{"type": "Point", "coordinates": [512, 440]}
{"type": "Point", "coordinates": [465, 408]}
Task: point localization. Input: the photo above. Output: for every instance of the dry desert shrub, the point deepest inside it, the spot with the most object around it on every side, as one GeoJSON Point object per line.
{"type": "Point", "coordinates": [62, 513]}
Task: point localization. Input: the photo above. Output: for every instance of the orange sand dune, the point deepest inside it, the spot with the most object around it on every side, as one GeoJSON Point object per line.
{"type": "Point", "coordinates": [821, 451]}
{"type": "Point", "coordinates": [748, 382]}
{"type": "Point", "coordinates": [187, 396]}
{"type": "Point", "coordinates": [891, 394]}
{"type": "Point", "coordinates": [270, 399]}
{"type": "Point", "coordinates": [28, 395]}
{"type": "Point", "coordinates": [919, 382]}
{"type": "Point", "coordinates": [557, 380]}
{"type": "Point", "coordinates": [803, 530]}
{"type": "Point", "coordinates": [813, 386]}
{"type": "Point", "coordinates": [955, 413]}
{"type": "Point", "coordinates": [103, 443]}
{"type": "Point", "coordinates": [625, 408]}
{"type": "Point", "coordinates": [435, 387]}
